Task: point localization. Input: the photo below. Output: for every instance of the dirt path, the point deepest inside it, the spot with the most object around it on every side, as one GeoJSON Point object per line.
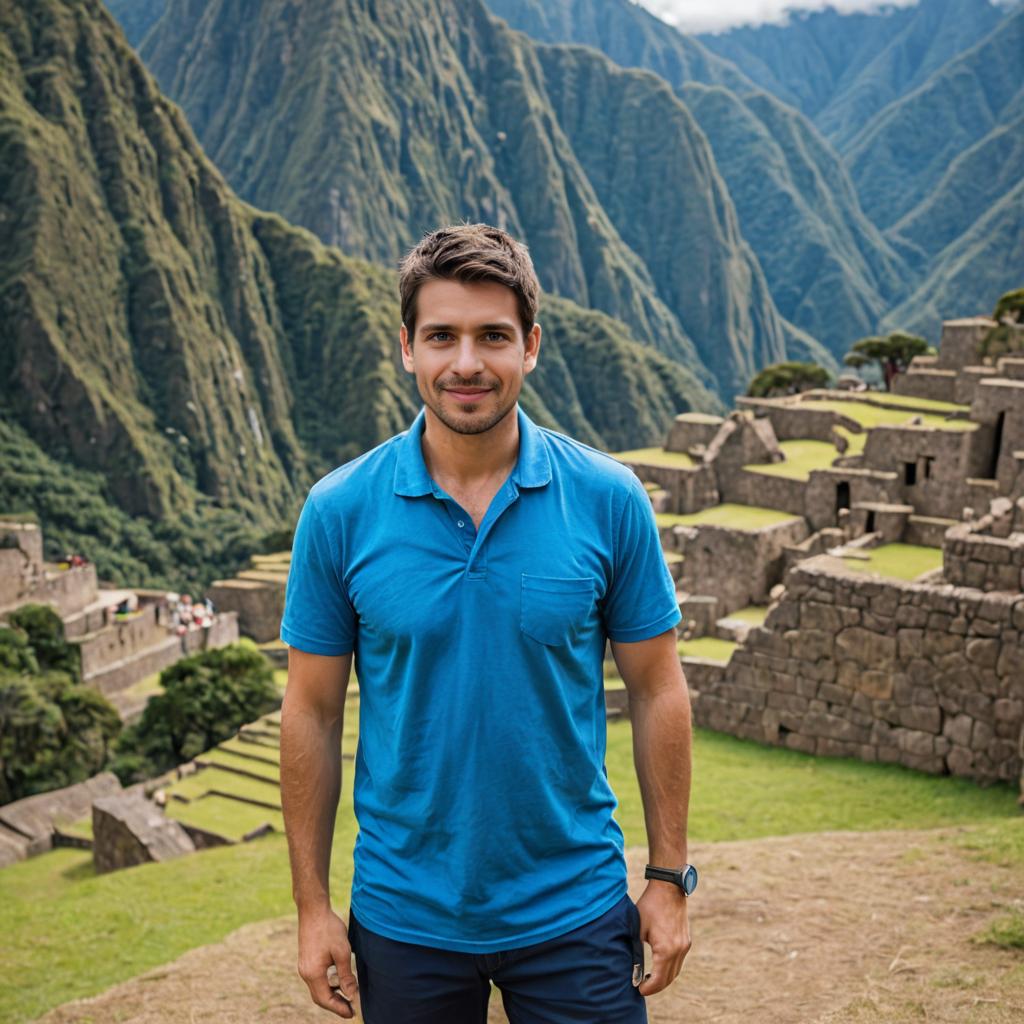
{"type": "Point", "coordinates": [830, 928]}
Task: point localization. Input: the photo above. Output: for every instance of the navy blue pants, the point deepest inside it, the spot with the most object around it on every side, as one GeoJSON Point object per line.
{"type": "Point", "coordinates": [584, 976]}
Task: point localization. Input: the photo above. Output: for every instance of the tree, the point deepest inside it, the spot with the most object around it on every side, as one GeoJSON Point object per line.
{"type": "Point", "coordinates": [1007, 335]}
{"type": "Point", "coordinates": [892, 352]}
{"type": "Point", "coordinates": [207, 697]}
{"type": "Point", "coordinates": [781, 379]}
{"type": "Point", "coordinates": [53, 732]}
{"type": "Point", "coordinates": [45, 633]}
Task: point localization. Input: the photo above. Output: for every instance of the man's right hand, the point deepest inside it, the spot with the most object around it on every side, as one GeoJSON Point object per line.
{"type": "Point", "coordinates": [323, 943]}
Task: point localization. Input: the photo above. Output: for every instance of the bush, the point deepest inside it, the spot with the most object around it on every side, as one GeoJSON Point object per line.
{"type": "Point", "coordinates": [207, 697]}
{"type": "Point", "coordinates": [53, 732]}
{"type": "Point", "coordinates": [45, 632]}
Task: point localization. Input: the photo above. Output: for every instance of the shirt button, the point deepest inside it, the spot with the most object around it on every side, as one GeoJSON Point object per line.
{"type": "Point", "coordinates": [461, 524]}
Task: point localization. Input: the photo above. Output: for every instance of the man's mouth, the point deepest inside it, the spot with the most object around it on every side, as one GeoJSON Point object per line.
{"type": "Point", "coordinates": [467, 394]}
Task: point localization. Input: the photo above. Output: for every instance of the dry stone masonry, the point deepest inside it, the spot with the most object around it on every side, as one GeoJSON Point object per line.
{"type": "Point", "coordinates": [854, 654]}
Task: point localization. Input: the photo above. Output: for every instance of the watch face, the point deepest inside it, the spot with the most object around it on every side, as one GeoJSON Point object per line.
{"type": "Point", "coordinates": [690, 879]}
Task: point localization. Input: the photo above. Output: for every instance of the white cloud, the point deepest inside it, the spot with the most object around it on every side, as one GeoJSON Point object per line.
{"type": "Point", "coordinates": [717, 15]}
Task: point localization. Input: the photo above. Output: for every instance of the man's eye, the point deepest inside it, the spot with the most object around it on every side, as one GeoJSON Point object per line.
{"type": "Point", "coordinates": [438, 336]}
{"type": "Point", "coordinates": [495, 336]}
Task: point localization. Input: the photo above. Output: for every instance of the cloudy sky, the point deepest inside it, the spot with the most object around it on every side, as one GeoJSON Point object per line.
{"type": "Point", "coordinates": [714, 15]}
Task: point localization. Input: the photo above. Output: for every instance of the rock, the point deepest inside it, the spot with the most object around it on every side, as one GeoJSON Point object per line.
{"type": "Point", "coordinates": [129, 830]}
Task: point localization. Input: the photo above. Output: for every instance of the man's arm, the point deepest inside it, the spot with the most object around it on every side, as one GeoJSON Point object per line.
{"type": "Point", "coordinates": [312, 717]}
{"type": "Point", "coordinates": [659, 710]}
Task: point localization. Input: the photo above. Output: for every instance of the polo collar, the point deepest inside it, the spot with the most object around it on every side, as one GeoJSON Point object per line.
{"type": "Point", "coordinates": [532, 468]}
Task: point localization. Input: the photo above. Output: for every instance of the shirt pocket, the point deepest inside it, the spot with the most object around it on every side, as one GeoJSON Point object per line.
{"type": "Point", "coordinates": [554, 608]}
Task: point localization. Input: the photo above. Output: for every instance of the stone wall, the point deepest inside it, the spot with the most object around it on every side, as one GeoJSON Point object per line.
{"type": "Point", "coordinates": [960, 344]}
{"type": "Point", "coordinates": [739, 567]}
{"type": "Point", "coordinates": [821, 497]}
{"type": "Point", "coordinates": [690, 429]}
{"type": "Point", "coordinates": [927, 382]}
{"type": "Point", "coordinates": [689, 489]}
{"type": "Point", "coordinates": [748, 487]}
{"type": "Point", "coordinates": [257, 605]}
{"type": "Point", "coordinates": [987, 553]}
{"type": "Point", "coordinates": [999, 406]}
{"type": "Point", "coordinates": [931, 677]}
{"type": "Point", "coordinates": [790, 421]}
{"type": "Point", "coordinates": [940, 461]}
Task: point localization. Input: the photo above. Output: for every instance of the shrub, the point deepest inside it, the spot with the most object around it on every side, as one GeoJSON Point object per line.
{"type": "Point", "coordinates": [207, 697]}
{"type": "Point", "coordinates": [53, 732]}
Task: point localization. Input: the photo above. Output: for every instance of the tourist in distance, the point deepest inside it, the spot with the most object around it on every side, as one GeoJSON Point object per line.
{"type": "Point", "coordinates": [474, 568]}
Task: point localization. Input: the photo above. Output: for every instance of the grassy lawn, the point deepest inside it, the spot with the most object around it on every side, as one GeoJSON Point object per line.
{"type": "Point", "coordinates": [706, 647]}
{"type": "Point", "coordinates": [61, 921]}
{"type": "Point", "coordinates": [868, 414]}
{"type": "Point", "coordinates": [900, 561]}
{"type": "Point", "coordinates": [753, 613]}
{"type": "Point", "coordinates": [655, 457]}
{"type": "Point", "coordinates": [739, 517]}
{"type": "Point", "coordinates": [802, 455]}
{"type": "Point", "coordinates": [911, 402]}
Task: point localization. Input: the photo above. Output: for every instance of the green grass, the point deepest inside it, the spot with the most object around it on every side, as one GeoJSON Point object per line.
{"type": "Point", "coordinates": [868, 414]}
{"type": "Point", "coordinates": [898, 561]}
{"type": "Point", "coordinates": [739, 517]}
{"type": "Point", "coordinates": [802, 455]}
{"type": "Point", "coordinates": [194, 786]}
{"type": "Point", "coordinates": [912, 402]}
{"type": "Point", "coordinates": [1006, 932]}
{"type": "Point", "coordinates": [60, 920]}
{"type": "Point", "coordinates": [809, 794]}
{"type": "Point", "coordinates": [655, 457]}
{"type": "Point", "coordinates": [224, 816]}
{"type": "Point", "coordinates": [707, 647]}
{"type": "Point", "coordinates": [753, 613]}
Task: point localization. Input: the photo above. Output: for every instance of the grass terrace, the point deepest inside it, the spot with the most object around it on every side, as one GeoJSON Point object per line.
{"type": "Point", "coordinates": [706, 647]}
{"type": "Point", "coordinates": [897, 561]}
{"type": "Point", "coordinates": [738, 517]}
{"type": "Point", "coordinates": [655, 457]}
{"type": "Point", "coordinates": [802, 455]}
{"type": "Point", "coordinates": [59, 919]}
{"type": "Point", "coordinates": [753, 614]}
{"type": "Point", "coordinates": [868, 414]}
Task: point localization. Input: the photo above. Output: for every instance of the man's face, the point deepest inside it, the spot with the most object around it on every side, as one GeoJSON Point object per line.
{"type": "Point", "coordinates": [469, 354]}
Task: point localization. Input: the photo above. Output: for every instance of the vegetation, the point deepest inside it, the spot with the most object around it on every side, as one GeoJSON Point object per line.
{"type": "Point", "coordinates": [206, 698]}
{"type": "Point", "coordinates": [59, 918]}
{"type": "Point", "coordinates": [656, 457]}
{"type": "Point", "coordinates": [801, 456]}
{"type": "Point", "coordinates": [53, 731]}
{"type": "Point", "coordinates": [739, 517]}
{"type": "Point", "coordinates": [892, 353]}
{"type": "Point", "coordinates": [899, 561]}
{"type": "Point", "coordinates": [781, 379]}
{"type": "Point", "coordinates": [1008, 334]}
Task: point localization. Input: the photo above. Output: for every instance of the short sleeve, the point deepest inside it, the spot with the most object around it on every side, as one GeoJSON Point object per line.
{"type": "Point", "coordinates": [641, 599]}
{"type": "Point", "coordinates": [318, 616]}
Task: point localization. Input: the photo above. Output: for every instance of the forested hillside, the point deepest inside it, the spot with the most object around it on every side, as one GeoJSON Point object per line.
{"type": "Point", "coordinates": [192, 363]}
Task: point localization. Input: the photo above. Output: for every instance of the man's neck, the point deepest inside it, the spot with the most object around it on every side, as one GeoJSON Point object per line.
{"type": "Point", "coordinates": [470, 460]}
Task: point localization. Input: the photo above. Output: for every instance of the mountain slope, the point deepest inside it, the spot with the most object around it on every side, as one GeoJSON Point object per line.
{"type": "Point", "coordinates": [828, 268]}
{"type": "Point", "coordinates": [916, 139]}
{"type": "Point", "coordinates": [985, 262]}
{"type": "Point", "coordinates": [208, 359]}
{"type": "Point", "coordinates": [372, 123]}
{"type": "Point", "coordinates": [843, 69]}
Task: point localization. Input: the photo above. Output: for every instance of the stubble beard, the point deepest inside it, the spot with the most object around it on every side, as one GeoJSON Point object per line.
{"type": "Point", "coordinates": [473, 425]}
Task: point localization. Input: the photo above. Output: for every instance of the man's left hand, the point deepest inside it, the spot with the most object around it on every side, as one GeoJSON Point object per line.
{"type": "Point", "coordinates": [665, 927]}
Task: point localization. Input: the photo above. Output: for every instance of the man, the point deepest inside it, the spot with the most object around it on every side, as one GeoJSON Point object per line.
{"type": "Point", "coordinates": [475, 566]}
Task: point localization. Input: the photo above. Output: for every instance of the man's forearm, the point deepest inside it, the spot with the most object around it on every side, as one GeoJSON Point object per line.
{"type": "Point", "coordinates": [662, 742]}
{"type": "Point", "coordinates": [310, 787]}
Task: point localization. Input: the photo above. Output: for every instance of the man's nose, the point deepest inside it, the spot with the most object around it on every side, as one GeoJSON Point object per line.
{"type": "Point", "coordinates": [467, 358]}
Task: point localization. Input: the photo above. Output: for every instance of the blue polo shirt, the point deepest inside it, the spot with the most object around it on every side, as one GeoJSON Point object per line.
{"type": "Point", "coordinates": [483, 803]}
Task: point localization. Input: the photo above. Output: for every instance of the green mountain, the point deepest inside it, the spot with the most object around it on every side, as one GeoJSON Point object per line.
{"type": "Point", "coordinates": [984, 262]}
{"type": "Point", "coordinates": [188, 364]}
{"type": "Point", "coordinates": [372, 122]}
{"type": "Point", "coordinates": [843, 69]}
{"type": "Point", "coordinates": [916, 139]}
{"type": "Point", "coordinates": [827, 267]}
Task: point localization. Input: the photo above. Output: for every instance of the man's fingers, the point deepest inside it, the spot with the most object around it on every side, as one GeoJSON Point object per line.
{"type": "Point", "coordinates": [323, 995]}
{"type": "Point", "coordinates": [665, 967]}
{"type": "Point", "coordinates": [340, 974]}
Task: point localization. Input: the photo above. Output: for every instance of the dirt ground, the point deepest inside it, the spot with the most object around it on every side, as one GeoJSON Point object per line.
{"type": "Point", "coordinates": [829, 928]}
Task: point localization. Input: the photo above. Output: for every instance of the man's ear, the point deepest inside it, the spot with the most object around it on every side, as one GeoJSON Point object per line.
{"type": "Point", "coordinates": [532, 348]}
{"type": "Point", "coordinates": [403, 338]}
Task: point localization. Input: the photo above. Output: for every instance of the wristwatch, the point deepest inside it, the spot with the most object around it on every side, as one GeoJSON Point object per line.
{"type": "Point", "coordinates": [685, 877]}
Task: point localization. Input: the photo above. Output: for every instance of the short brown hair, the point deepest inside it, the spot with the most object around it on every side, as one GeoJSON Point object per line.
{"type": "Point", "coordinates": [468, 253]}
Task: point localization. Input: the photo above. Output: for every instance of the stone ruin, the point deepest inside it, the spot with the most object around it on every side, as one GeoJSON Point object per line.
{"type": "Point", "coordinates": [830, 656]}
{"type": "Point", "coordinates": [114, 652]}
